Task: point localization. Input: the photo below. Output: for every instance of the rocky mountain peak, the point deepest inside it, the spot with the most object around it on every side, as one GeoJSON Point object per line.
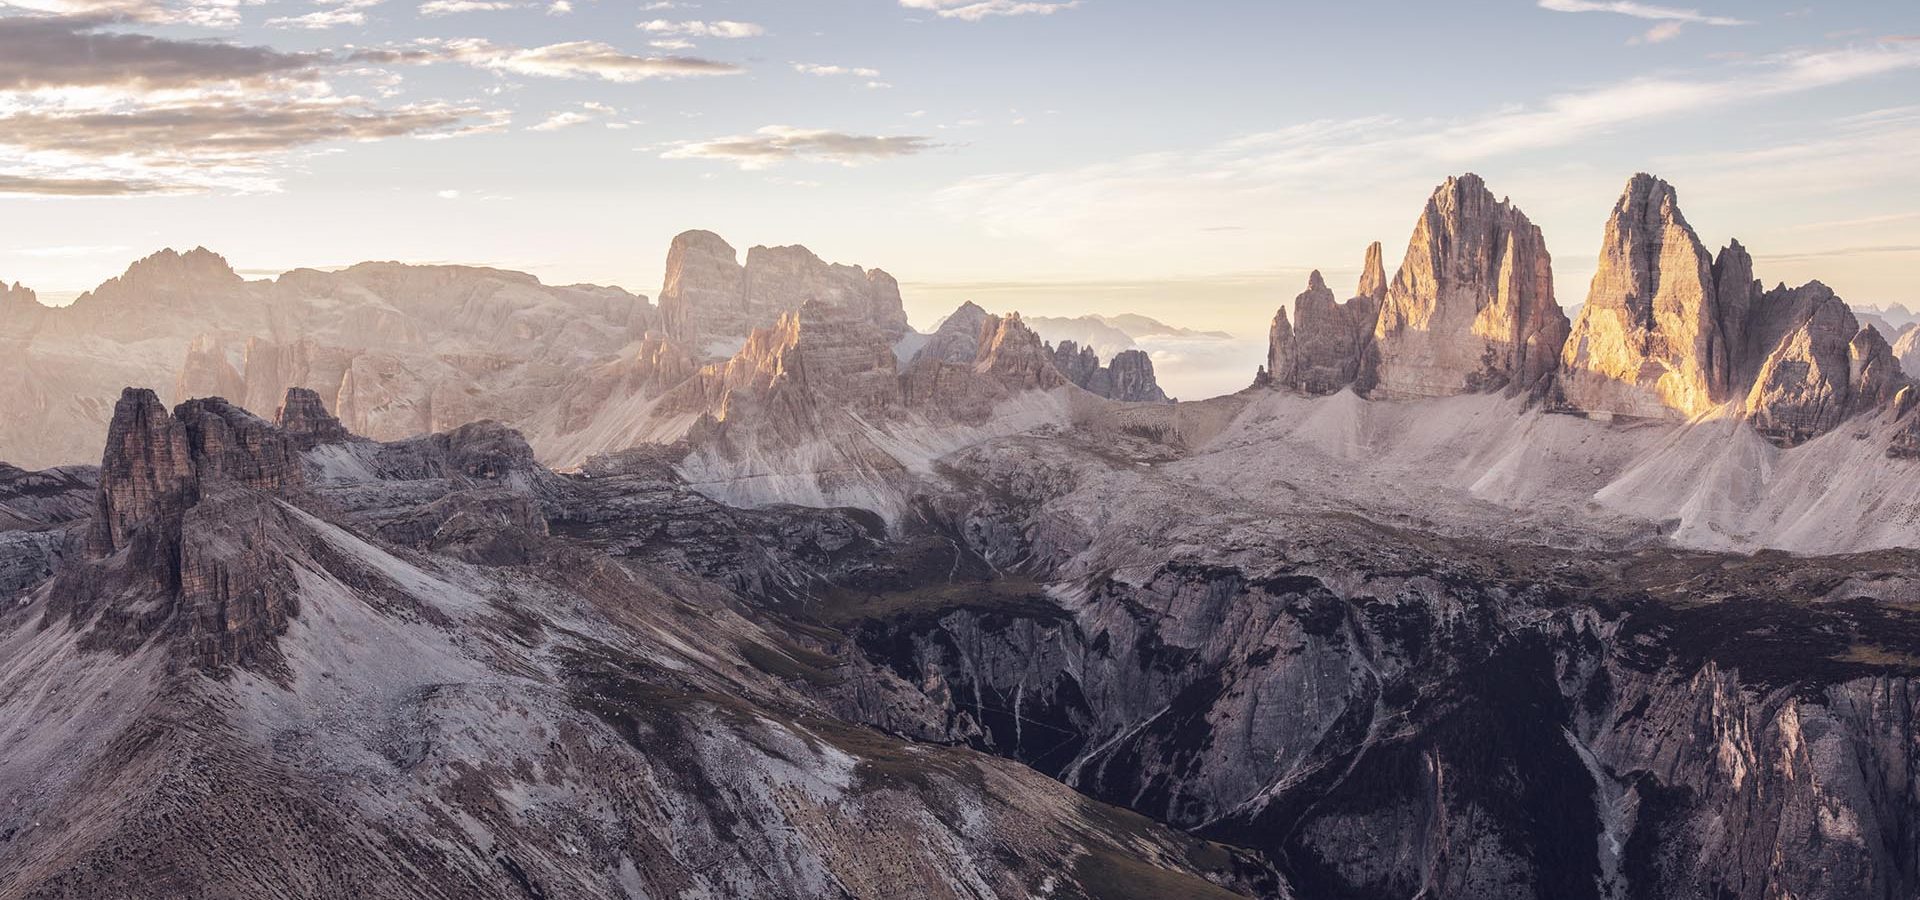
{"type": "Point", "coordinates": [704, 280]}
{"type": "Point", "coordinates": [1016, 355]}
{"type": "Point", "coordinates": [1472, 308]}
{"type": "Point", "coordinates": [171, 272]}
{"type": "Point", "coordinates": [1373, 277]}
{"type": "Point", "coordinates": [16, 294]}
{"type": "Point", "coordinates": [1129, 377]}
{"type": "Point", "coordinates": [1324, 348]}
{"type": "Point", "coordinates": [709, 297]}
{"type": "Point", "coordinates": [957, 340]}
{"type": "Point", "coordinates": [1651, 340]}
{"type": "Point", "coordinates": [146, 471]}
{"type": "Point", "coordinates": [157, 465]}
{"type": "Point", "coordinates": [304, 419]}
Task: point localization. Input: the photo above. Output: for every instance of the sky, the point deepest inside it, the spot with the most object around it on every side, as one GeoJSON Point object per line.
{"type": "Point", "coordinates": [1188, 160]}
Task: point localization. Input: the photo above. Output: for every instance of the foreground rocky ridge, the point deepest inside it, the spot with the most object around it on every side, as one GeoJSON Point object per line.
{"type": "Point", "coordinates": [435, 666]}
{"type": "Point", "coordinates": [432, 668]}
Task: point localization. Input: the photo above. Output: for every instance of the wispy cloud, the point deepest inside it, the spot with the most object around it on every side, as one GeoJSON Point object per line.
{"type": "Point", "coordinates": [80, 187]}
{"type": "Point", "coordinates": [586, 112]}
{"type": "Point", "coordinates": [1129, 205]}
{"type": "Point", "coordinates": [331, 14]}
{"type": "Point", "coordinates": [573, 59]}
{"type": "Point", "coordinates": [199, 13]}
{"type": "Point", "coordinates": [85, 111]}
{"type": "Point", "coordinates": [831, 71]}
{"type": "Point", "coordinates": [719, 29]}
{"type": "Point", "coordinates": [776, 144]}
{"type": "Point", "coordinates": [1641, 11]}
{"type": "Point", "coordinates": [976, 10]}
{"type": "Point", "coordinates": [1660, 34]}
{"type": "Point", "coordinates": [433, 8]}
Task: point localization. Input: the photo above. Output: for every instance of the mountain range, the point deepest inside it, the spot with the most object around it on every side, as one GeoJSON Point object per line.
{"type": "Point", "coordinates": [476, 587]}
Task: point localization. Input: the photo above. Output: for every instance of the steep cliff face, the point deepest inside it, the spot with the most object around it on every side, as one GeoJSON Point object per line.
{"type": "Point", "coordinates": [1326, 348]}
{"type": "Point", "coordinates": [397, 681]}
{"type": "Point", "coordinates": [1387, 712]}
{"type": "Point", "coordinates": [304, 419]}
{"type": "Point", "coordinates": [41, 515]}
{"type": "Point", "coordinates": [190, 538]}
{"type": "Point", "coordinates": [1820, 367]}
{"type": "Point", "coordinates": [1472, 306]}
{"type": "Point", "coordinates": [1653, 339]}
{"type": "Point", "coordinates": [957, 340]}
{"type": "Point", "coordinates": [709, 298]}
{"type": "Point", "coordinates": [1129, 377]}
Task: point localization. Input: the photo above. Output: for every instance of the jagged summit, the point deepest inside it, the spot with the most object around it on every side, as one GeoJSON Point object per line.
{"type": "Point", "coordinates": [1325, 347]}
{"type": "Point", "coordinates": [166, 273]}
{"type": "Point", "coordinates": [708, 296]}
{"type": "Point", "coordinates": [1128, 377]}
{"type": "Point", "coordinates": [1472, 308]}
{"type": "Point", "coordinates": [1652, 340]}
{"type": "Point", "coordinates": [304, 418]}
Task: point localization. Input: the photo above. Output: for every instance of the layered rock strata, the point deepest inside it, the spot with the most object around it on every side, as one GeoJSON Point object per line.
{"type": "Point", "coordinates": [1472, 307]}
{"type": "Point", "coordinates": [1327, 348]}
{"type": "Point", "coordinates": [1655, 338]}
{"type": "Point", "coordinates": [710, 298]}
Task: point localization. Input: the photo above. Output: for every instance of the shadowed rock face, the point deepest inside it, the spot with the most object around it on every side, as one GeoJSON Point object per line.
{"type": "Point", "coordinates": [1472, 307]}
{"type": "Point", "coordinates": [431, 668]}
{"type": "Point", "coordinates": [1821, 369]}
{"type": "Point", "coordinates": [306, 422]}
{"type": "Point", "coordinates": [1327, 349]}
{"type": "Point", "coordinates": [1653, 339]}
{"type": "Point", "coordinates": [399, 638]}
{"type": "Point", "coordinates": [1387, 712]}
{"type": "Point", "coordinates": [189, 537]}
{"type": "Point", "coordinates": [1128, 378]}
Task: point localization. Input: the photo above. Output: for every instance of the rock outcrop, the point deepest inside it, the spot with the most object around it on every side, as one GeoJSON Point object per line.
{"type": "Point", "coordinates": [1472, 308]}
{"type": "Point", "coordinates": [957, 340]}
{"type": "Point", "coordinates": [1128, 378]}
{"type": "Point", "coordinates": [304, 419]}
{"type": "Point", "coordinates": [1906, 348]}
{"type": "Point", "coordinates": [710, 299]}
{"type": "Point", "coordinates": [1326, 346]}
{"type": "Point", "coordinates": [1008, 358]}
{"type": "Point", "coordinates": [1821, 367]}
{"type": "Point", "coordinates": [190, 537]}
{"type": "Point", "coordinates": [1653, 340]}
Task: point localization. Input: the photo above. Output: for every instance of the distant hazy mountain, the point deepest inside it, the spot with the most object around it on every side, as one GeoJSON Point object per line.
{"type": "Point", "coordinates": [1109, 335]}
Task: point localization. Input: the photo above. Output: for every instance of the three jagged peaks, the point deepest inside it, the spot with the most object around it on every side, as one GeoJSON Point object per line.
{"type": "Point", "coordinates": [1668, 330]}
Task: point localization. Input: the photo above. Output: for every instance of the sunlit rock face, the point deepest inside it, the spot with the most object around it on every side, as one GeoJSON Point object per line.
{"type": "Point", "coordinates": [1652, 340]}
{"type": "Point", "coordinates": [709, 298]}
{"type": "Point", "coordinates": [1472, 308]}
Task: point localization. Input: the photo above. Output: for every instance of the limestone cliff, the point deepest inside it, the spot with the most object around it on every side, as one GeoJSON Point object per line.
{"type": "Point", "coordinates": [1652, 340]}
{"type": "Point", "coordinates": [1129, 377]}
{"type": "Point", "coordinates": [1472, 308]}
{"type": "Point", "coordinates": [1821, 367]}
{"type": "Point", "coordinates": [709, 298]}
{"type": "Point", "coordinates": [1325, 347]}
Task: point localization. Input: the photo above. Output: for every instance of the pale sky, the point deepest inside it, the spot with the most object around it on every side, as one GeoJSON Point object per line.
{"type": "Point", "coordinates": [1188, 160]}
